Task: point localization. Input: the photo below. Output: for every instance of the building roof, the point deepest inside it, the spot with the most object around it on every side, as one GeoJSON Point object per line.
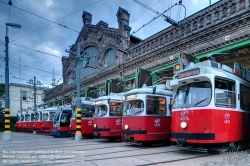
{"type": "Point", "coordinates": [28, 86]}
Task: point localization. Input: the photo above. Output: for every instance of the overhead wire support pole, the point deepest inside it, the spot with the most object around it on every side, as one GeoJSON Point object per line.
{"type": "Point", "coordinates": [78, 135]}
{"type": "Point", "coordinates": [35, 93]}
{"type": "Point", "coordinates": [7, 135]}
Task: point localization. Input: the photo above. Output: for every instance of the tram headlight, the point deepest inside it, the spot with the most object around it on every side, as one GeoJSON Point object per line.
{"type": "Point", "coordinates": [126, 127]}
{"type": "Point", "coordinates": [33, 125]}
{"type": "Point", "coordinates": [95, 125]}
{"type": "Point", "coordinates": [184, 125]}
{"type": "Point", "coordinates": [70, 126]}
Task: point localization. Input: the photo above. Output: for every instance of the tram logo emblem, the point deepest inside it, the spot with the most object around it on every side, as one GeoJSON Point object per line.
{"type": "Point", "coordinates": [118, 122]}
{"type": "Point", "coordinates": [184, 113]}
{"type": "Point", "coordinates": [227, 118]}
{"type": "Point", "coordinates": [157, 122]}
{"type": "Point", "coordinates": [90, 122]}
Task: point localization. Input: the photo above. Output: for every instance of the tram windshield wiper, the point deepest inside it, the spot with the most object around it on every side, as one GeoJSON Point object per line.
{"type": "Point", "coordinates": [199, 102]}
{"type": "Point", "coordinates": [138, 112]}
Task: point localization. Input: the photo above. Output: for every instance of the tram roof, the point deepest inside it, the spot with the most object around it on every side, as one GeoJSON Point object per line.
{"type": "Point", "coordinates": [51, 109]}
{"type": "Point", "coordinates": [206, 67]}
{"type": "Point", "coordinates": [112, 96]}
{"type": "Point", "coordinates": [159, 90]}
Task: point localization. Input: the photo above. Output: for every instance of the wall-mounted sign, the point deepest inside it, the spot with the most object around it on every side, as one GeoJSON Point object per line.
{"type": "Point", "coordinates": [188, 73]}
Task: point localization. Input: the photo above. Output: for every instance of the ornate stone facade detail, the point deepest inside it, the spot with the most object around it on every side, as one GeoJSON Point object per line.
{"type": "Point", "coordinates": [202, 32]}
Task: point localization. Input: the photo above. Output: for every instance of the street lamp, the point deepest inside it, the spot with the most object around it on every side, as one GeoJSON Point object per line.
{"type": "Point", "coordinates": [7, 134]}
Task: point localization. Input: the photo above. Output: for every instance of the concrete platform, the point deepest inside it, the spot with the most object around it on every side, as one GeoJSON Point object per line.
{"type": "Point", "coordinates": [35, 150]}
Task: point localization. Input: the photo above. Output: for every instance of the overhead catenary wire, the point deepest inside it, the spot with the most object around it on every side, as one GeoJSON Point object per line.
{"type": "Point", "coordinates": [40, 17]}
{"type": "Point", "coordinates": [144, 12]}
{"type": "Point", "coordinates": [33, 50]}
{"type": "Point", "coordinates": [159, 15]}
{"type": "Point", "coordinates": [57, 20]}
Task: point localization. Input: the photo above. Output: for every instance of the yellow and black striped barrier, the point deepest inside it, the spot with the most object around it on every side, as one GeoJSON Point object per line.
{"type": "Point", "coordinates": [78, 120]}
{"type": "Point", "coordinates": [7, 119]}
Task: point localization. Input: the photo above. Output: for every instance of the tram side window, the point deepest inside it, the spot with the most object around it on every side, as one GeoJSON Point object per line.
{"type": "Point", "coordinates": [116, 109]}
{"type": "Point", "coordinates": [244, 97]}
{"type": "Point", "coordinates": [156, 105]}
{"type": "Point", "coordinates": [225, 95]}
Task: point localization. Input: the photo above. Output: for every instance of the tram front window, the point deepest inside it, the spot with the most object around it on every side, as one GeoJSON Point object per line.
{"type": "Point", "coordinates": [56, 118]}
{"type": "Point", "coordinates": [101, 111]}
{"type": "Point", "coordinates": [22, 118]}
{"type": "Point", "coordinates": [52, 114]}
{"type": "Point", "coordinates": [134, 108]}
{"type": "Point", "coordinates": [37, 116]}
{"type": "Point", "coordinates": [27, 117]}
{"type": "Point", "coordinates": [197, 94]}
{"type": "Point", "coordinates": [65, 117]}
{"type": "Point", "coordinates": [87, 111]}
{"type": "Point", "coordinates": [19, 117]}
{"type": "Point", "coordinates": [45, 116]}
{"type": "Point", "coordinates": [115, 109]}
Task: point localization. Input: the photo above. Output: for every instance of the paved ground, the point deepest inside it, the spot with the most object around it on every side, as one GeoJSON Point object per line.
{"type": "Point", "coordinates": [36, 150]}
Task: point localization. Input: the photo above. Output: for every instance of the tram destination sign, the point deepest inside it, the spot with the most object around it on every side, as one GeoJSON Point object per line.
{"type": "Point", "coordinates": [188, 73]}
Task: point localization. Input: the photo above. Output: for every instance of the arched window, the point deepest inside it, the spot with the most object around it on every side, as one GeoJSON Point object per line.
{"type": "Point", "coordinates": [92, 52]}
{"type": "Point", "coordinates": [109, 58]}
{"type": "Point", "coordinates": [70, 78]}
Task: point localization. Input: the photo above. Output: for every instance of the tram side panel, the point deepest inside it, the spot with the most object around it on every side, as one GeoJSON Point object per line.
{"type": "Point", "coordinates": [47, 126]}
{"type": "Point", "coordinates": [29, 125]}
{"type": "Point", "coordinates": [210, 126]}
{"type": "Point", "coordinates": [151, 128]}
{"type": "Point", "coordinates": [87, 126]}
{"type": "Point", "coordinates": [38, 126]}
{"type": "Point", "coordinates": [108, 126]}
{"type": "Point", "coordinates": [73, 126]}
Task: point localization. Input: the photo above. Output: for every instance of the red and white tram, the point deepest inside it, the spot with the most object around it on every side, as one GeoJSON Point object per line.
{"type": "Point", "coordinates": [147, 115]}
{"type": "Point", "coordinates": [108, 116]}
{"type": "Point", "coordinates": [48, 116]}
{"type": "Point", "coordinates": [88, 110]}
{"type": "Point", "coordinates": [29, 120]}
{"type": "Point", "coordinates": [61, 122]}
{"type": "Point", "coordinates": [37, 126]}
{"type": "Point", "coordinates": [211, 107]}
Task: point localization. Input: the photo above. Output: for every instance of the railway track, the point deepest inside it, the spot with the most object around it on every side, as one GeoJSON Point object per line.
{"type": "Point", "coordinates": [101, 152]}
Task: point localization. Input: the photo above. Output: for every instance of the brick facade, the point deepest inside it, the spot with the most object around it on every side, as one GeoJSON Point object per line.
{"type": "Point", "coordinates": [223, 23]}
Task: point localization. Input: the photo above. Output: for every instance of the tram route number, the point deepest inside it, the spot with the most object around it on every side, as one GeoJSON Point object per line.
{"type": "Point", "coordinates": [184, 118]}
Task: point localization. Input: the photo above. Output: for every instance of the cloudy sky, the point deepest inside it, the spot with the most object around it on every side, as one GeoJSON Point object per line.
{"type": "Point", "coordinates": [43, 36]}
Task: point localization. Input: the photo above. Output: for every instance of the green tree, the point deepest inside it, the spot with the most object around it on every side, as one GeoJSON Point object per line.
{"type": "Point", "coordinates": [2, 89]}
